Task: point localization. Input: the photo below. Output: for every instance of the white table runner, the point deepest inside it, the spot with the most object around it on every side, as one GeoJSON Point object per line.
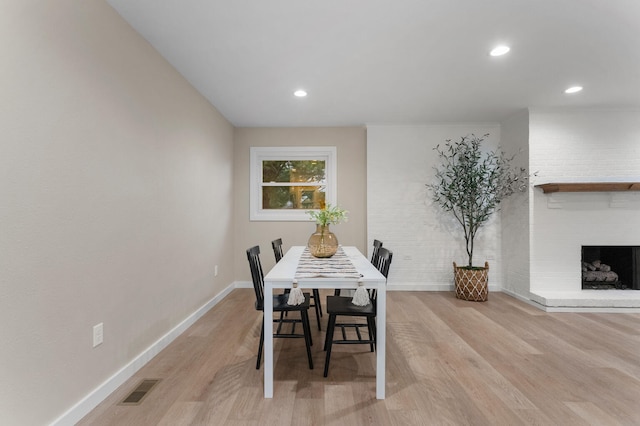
{"type": "Point", "coordinates": [337, 266]}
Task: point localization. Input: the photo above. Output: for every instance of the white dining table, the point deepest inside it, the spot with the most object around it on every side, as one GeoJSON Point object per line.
{"type": "Point", "coordinates": [283, 275]}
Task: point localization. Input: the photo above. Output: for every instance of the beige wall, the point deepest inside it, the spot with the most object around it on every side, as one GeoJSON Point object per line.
{"type": "Point", "coordinates": [351, 152]}
{"type": "Point", "coordinates": [116, 194]}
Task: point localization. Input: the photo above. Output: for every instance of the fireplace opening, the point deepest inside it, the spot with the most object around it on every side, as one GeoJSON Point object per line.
{"type": "Point", "coordinates": [610, 267]}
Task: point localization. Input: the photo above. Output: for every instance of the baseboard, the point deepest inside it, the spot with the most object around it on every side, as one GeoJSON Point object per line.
{"type": "Point", "coordinates": [522, 298]}
{"type": "Point", "coordinates": [395, 287]}
{"type": "Point", "coordinates": [99, 394]}
{"type": "Point", "coordinates": [243, 284]}
{"type": "Point", "coordinates": [419, 287]}
{"type": "Point", "coordinates": [429, 287]}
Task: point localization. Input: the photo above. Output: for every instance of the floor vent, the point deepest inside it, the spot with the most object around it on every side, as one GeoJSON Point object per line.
{"type": "Point", "coordinates": [140, 392]}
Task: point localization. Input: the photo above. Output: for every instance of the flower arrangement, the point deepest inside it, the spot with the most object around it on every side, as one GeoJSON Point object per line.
{"type": "Point", "coordinates": [323, 243]}
{"type": "Point", "coordinates": [329, 215]}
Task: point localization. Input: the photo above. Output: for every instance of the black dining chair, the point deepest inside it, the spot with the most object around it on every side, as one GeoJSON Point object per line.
{"type": "Point", "coordinates": [374, 259]}
{"type": "Point", "coordinates": [279, 305]}
{"type": "Point", "coordinates": [376, 247]}
{"type": "Point", "coordinates": [341, 306]}
{"type": "Point", "coordinates": [315, 294]}
{"type": "Point", "coordinates": [277, 252]}
{"type": "Point", "coordinates": [277, 249]}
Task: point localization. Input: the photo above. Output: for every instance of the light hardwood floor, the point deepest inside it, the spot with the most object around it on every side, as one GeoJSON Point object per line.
{"type": "Point", "coordinates": [501, 362]}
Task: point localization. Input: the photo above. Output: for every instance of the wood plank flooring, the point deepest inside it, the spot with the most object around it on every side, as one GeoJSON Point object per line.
{"type": "Point", "coordinates": [449, 362]}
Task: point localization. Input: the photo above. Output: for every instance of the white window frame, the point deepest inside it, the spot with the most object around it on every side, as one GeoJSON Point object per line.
{"type": "Point", "coordinates": [260, 154]}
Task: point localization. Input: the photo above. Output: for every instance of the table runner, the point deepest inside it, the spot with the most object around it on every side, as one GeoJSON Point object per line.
{"type": "Point", "coordinates": [337, 266]}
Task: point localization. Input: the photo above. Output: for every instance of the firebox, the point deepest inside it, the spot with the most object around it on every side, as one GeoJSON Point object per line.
{"type": "Point", "coordinates": [610, 267]}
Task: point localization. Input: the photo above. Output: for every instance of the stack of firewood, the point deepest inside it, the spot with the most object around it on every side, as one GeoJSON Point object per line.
{"type": "Point", "coordinates": [598, 271]}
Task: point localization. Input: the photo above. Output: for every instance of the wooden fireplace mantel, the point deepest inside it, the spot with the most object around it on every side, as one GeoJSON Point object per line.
{"type": "Point", "coordinates": [589, 187]}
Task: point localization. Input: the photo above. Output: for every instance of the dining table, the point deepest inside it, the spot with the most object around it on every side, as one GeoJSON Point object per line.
{"type": "Point", "coordinates": [289, 271]}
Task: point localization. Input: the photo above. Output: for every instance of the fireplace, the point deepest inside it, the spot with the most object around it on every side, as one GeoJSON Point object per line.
{"type": "Point", "coordinates": [610, 267]}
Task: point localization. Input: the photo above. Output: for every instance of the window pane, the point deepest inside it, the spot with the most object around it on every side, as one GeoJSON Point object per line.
{"type": "Point", "coordinates": [286, 181]}
{"type": "Point", "coordinates": [293, 197]}
{"type": "Point", "coordinates": [294, 171]}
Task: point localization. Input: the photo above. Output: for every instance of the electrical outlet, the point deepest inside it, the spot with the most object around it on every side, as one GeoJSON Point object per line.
{"type": "Point", "coordinates": [215, 271]}
{"type": "Point", "coordinates": [98, 334]}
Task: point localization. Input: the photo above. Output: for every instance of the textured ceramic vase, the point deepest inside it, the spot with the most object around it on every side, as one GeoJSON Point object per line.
{"type": "Point", "coordinates": [323, 243]}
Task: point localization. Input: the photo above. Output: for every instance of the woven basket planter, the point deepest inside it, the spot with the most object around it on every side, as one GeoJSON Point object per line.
{"type": "Point", "coordinates": [471, 284]}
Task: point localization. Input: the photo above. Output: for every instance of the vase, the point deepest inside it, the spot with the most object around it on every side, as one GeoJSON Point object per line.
{"type": "Point", "coordinates": [323, 242]}
{"type": "Point", "coordinates": [471, 284]}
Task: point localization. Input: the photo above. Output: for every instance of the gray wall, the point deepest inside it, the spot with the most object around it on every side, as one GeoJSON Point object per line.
{"type": "Point", "coordinates": [117, 195]}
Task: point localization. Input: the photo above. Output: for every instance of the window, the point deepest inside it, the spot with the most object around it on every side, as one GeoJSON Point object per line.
{"type": "Point", "coordinates": [288, 181]}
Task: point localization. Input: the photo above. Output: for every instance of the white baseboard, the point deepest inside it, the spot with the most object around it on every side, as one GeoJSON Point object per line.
{"type": "Point", "coordinates": [521, 298]}
{"type": "Point", "coordinates": [419, 287]}
{"type": "Point", "coordinates": [429, 287]}
{"type": "Point", "coordinates": [243, 284]}
{"type": "Point", "coordinates": [99, 394]}
{"type": "Point", "coordinates": [395, 287]}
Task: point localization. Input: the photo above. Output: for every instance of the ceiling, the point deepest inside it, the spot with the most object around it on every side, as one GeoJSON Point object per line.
{"type": "Point", "coordinates": [395, 61]}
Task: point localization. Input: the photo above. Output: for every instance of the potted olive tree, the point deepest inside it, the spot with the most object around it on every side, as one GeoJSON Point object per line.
{"type": "Point", "coordinates": [470, 184]}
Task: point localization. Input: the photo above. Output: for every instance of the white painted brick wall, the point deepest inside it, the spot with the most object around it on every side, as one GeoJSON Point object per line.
{"type": "Point", "coordinates": [515, 212]}
{"type": "Point", "coordinates": [581, 146]}
{"type": "Point", "coordinates": [424, 241]}
{"type": "Point", "coordinates": [540, 236]}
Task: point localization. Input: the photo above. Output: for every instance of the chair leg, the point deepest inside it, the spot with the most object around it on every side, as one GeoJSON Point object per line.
{"type": "Point", "coordinates": [316, 294]}
{"type": "Point", "coordinates": [278, 330]}
{"type": "Point", "coordinates": [328, 343]}
{"type": "Point", "coordinates": [285, 313]}
{"type": "Point", "coordinates": [306, 326]}
{"type": "Point", "coordinates": [316, 298]}
{"type": "Point", "coordinates": [375, 330]}
{"type": "Point", "coordinates": [307, 336]}
{"type": "Point", "coordinates": [371, 325]}
{"type": "Point", "coordinates": [261, 344]}
{"type": "Point", "coordinates": [326, 335]}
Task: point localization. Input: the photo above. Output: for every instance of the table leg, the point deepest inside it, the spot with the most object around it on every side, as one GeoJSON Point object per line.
{"type": "Point", "coordinates": [381, 345]}
{"type": "Point", "coordinates": [268, 340]}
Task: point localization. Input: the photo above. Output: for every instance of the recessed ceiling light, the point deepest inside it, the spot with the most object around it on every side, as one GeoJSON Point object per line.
{"type": "Point", "coordinates": [573, 89]}
{"type": "Point", "coordinates": [499, 50]}
{"type": "Point", "coordinates": [300, 93]}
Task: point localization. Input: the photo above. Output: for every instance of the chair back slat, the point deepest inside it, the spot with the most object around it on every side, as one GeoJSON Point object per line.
{"type": "Point", "coordinates": [277, 249]}
{"type": "Point", "coordinates": [257, 276]}
{"type": "Point", "coordinates": [376, 247]}
{"type": "Point", "coordinates": [383, 262]}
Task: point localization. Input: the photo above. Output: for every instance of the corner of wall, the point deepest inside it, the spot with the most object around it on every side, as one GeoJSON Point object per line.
{"type": "Point", "coordinates": [515, 214]}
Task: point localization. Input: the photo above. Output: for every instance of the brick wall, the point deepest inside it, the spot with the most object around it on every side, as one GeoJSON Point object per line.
{"type": "Point", "coordinates": [581, 146]}
{"type": "Point", "coordinates": [425, 242]}
{"type": "Point", "coordinates": [534, 243]}
{"type": "Point", "coordinates": [515, 214]}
